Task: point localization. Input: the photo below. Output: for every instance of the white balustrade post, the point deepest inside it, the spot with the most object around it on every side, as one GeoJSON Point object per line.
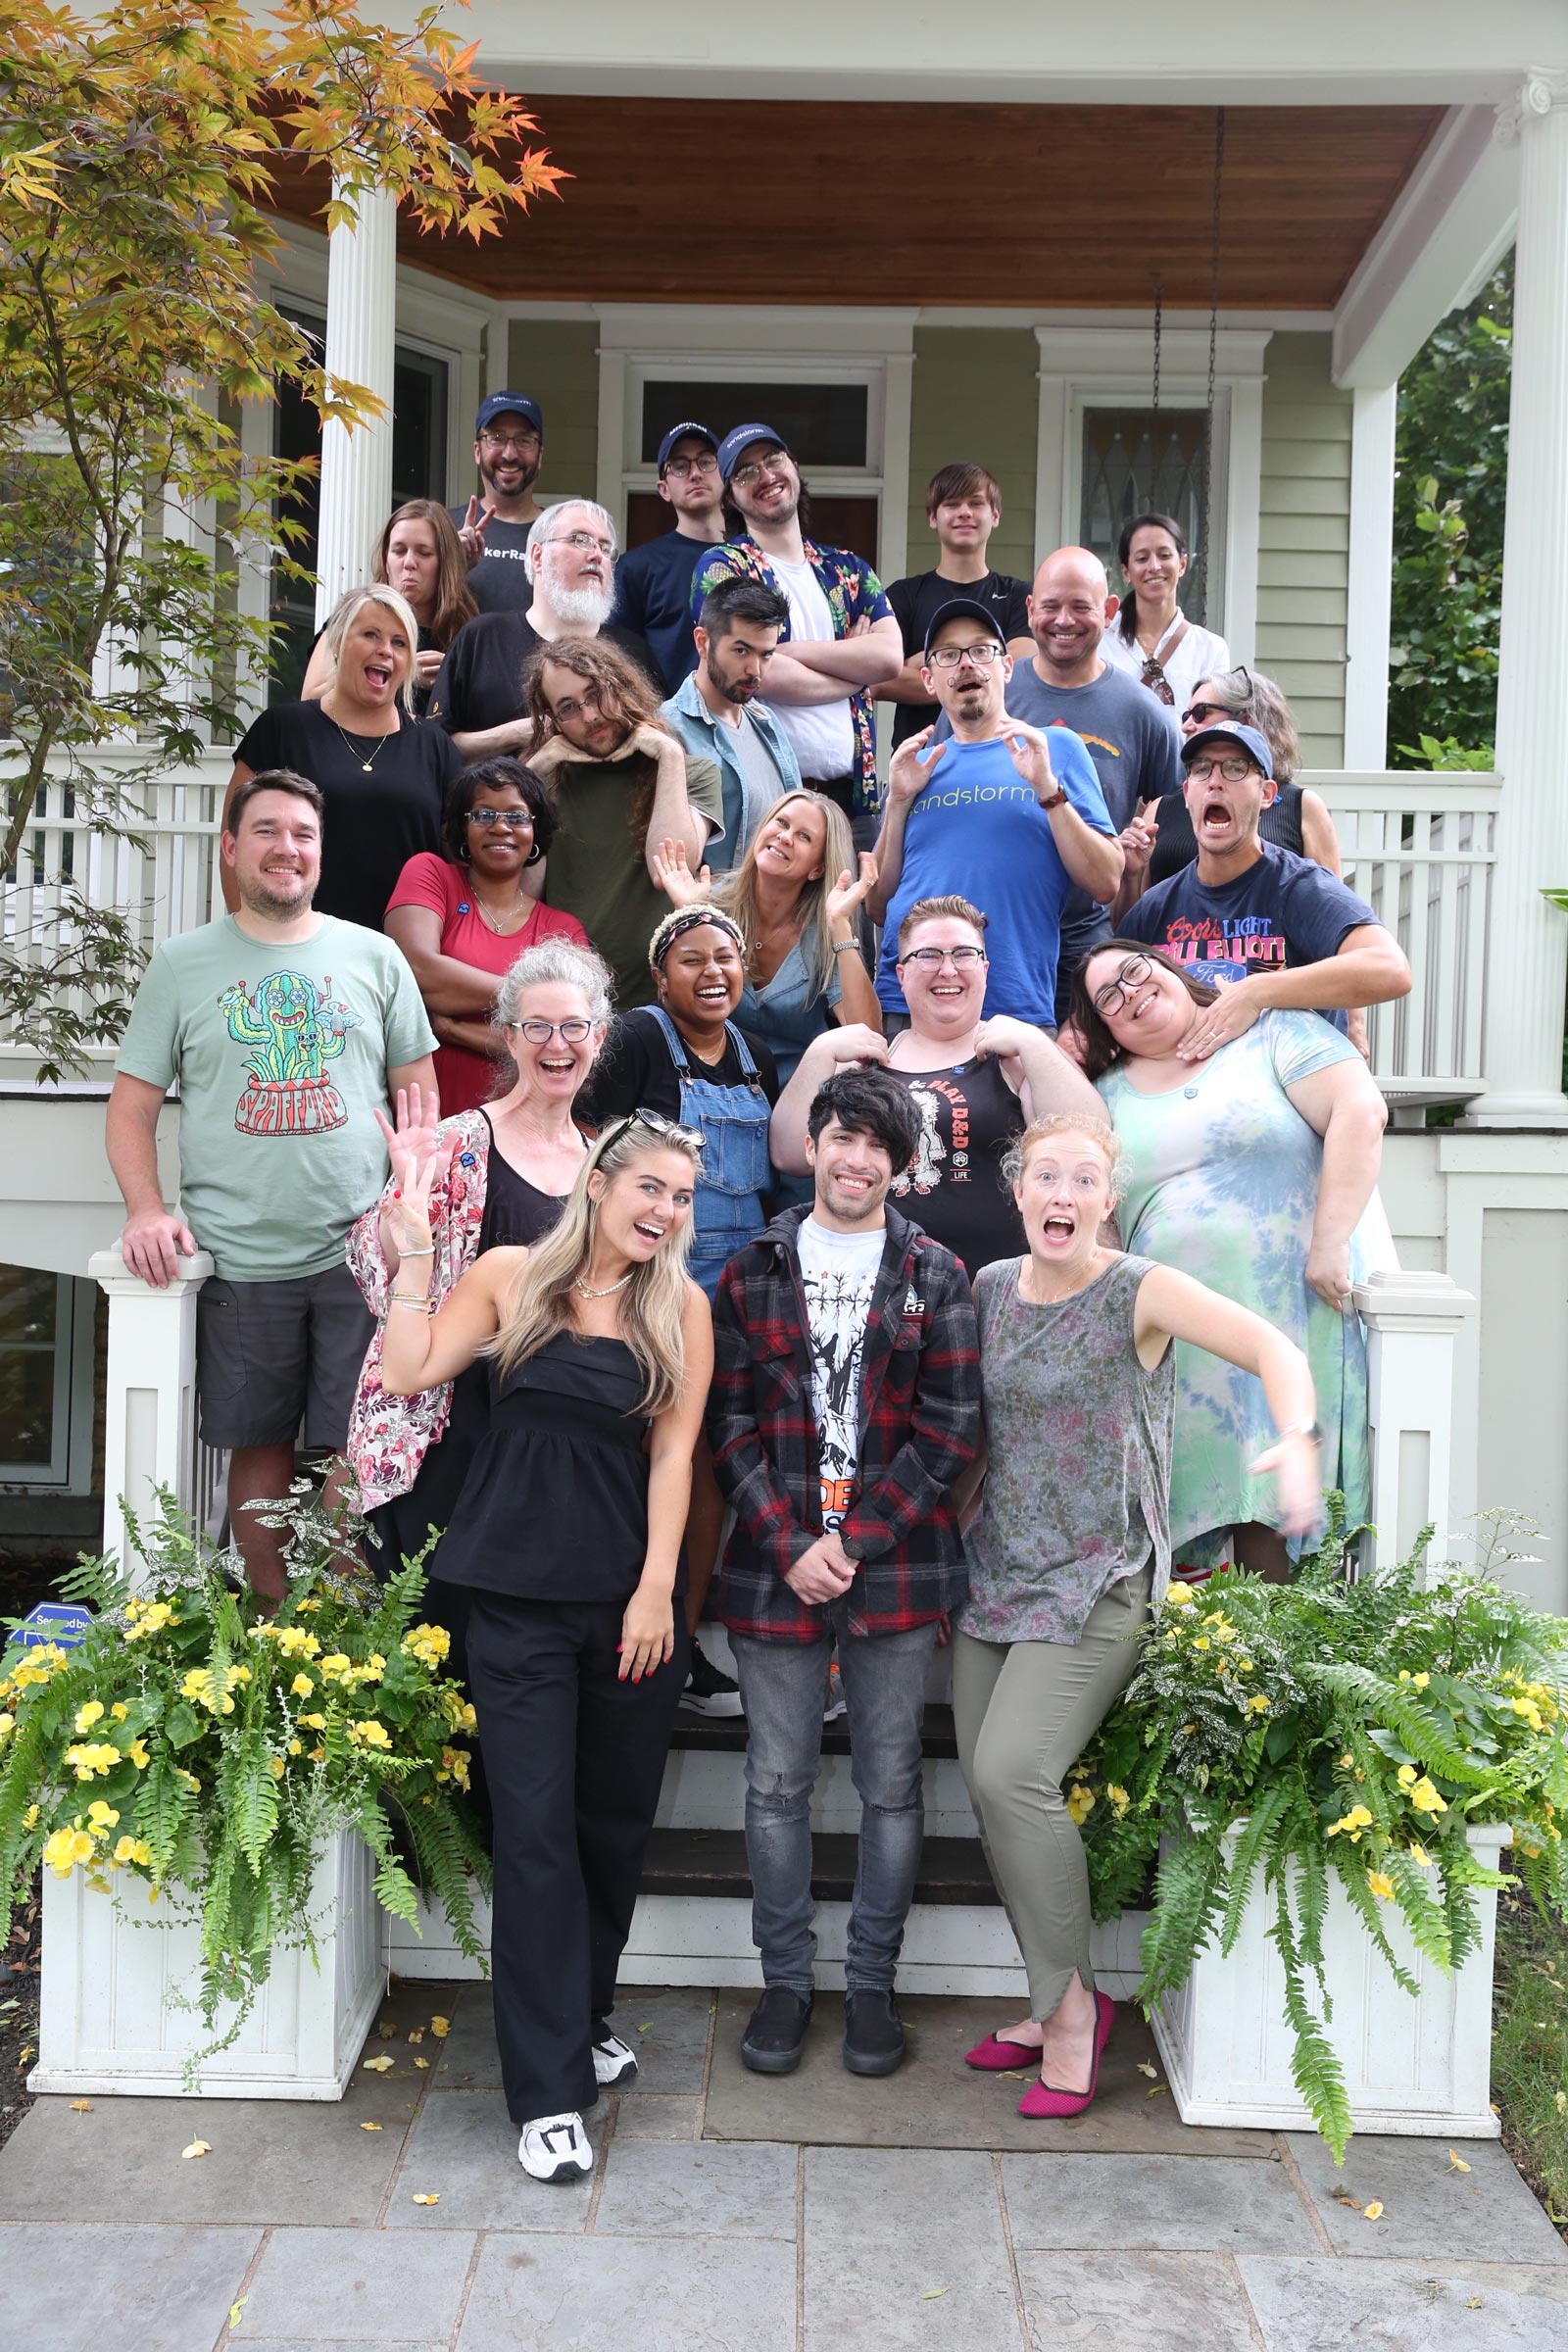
{"type": "Point", "coordinates": [150, 1418]}
{"type": "Point", "coordinates": [362, 268]}
{"type": "Point", "coordinates": [1412, 1320]}
{"type": "Point", "coordinates": [1528, 940]}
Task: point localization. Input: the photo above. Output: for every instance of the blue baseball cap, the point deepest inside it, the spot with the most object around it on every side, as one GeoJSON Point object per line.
{"type": "Point", "coordinates": [741, 438]}
{"type": "Point", "coordinates": [508, 404]}
{"type": "Point", "coordinates": [688, 431]}
{"type": "Point", "coordinates": [1231, 730]}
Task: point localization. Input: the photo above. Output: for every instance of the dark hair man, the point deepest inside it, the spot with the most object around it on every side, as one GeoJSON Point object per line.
{"type": "Point", "coordinates": [845, 1403]}
{"type": "Point", "coordinates": [843, 640]}
{"type": "Point", "coordinates": [653, 582]}
{"type": "Point", "coordinates": [964, 507]}
{"type": "Point", "coordinates": [509, 448]}
{"type": "Point", "coordinates": [285, 1029]}
{"type": "Point", "coordinates": [1008, 816]}
{"type": "Point", "coordinates": [720, 715]}
{"type": "Point", "coordinates": [1285, 932]}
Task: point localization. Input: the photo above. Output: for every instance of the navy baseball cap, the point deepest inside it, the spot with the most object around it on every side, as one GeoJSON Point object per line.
{"type": "Point", "coordinates": [965, 607]}
{"type": "Point", "coordinates": [741, 438]}
{"type": "Point", "coordinates": [509, 404]}
{"type": "Point", "coordinates": [1231, 730]}
{"type": "Point", "coordinates": [685, 433]}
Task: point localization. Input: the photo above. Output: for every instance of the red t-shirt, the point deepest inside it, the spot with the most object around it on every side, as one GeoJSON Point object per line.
{"type": "Point", "coordinates": [465, 1079]}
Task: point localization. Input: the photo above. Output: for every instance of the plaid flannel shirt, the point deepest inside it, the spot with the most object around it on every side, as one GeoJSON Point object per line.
{"type": "Point", "coordinates": [919, 1414]}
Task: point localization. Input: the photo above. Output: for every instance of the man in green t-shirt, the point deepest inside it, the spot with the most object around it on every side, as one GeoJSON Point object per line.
{"type": "Point", "coordinates": [284, 1030]}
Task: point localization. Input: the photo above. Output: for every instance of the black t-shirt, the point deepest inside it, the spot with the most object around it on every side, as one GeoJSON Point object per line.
{"type": "Point", "coordinates": [499, 582]}
{"type": "Point", "coordinates": [1281, 912]}
{"type": "Point", "coordinates": [372, 822]}
{"type": "Point", "coordinates": [635, 1071]}
{"type": "Point", "coordinates": [968, 1117]}
{"type": "Point", "coordinates": [654, 597]}
{"type": "Point", "coordinates": [479, 684]}
{"type": "Point", "coordinates": [918, 600]}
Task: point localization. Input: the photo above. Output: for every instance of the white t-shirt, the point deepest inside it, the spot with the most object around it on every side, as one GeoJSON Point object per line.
{"type": "Point", "coordinates": [822, 735]}
{"type": "Point", "coordinates": [1200, 654]}
{"type": "Point", "coordinates": [838, 1274]}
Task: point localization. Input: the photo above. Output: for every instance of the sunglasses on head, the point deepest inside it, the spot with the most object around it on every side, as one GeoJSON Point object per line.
{"type": "Point", "coordinates": [656, 1124]}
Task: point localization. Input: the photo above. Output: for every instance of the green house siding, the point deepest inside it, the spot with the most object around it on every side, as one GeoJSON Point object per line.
{"type": "Point", "coordinates": [975, 397]}
{"type": "Point", "coordinates": [556, 361]}
{"type": "Point", "coordinates": [1305, 538]}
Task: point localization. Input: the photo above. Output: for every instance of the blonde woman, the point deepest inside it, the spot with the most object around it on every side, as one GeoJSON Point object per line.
{"type": "Point", "coordinates": [382, 774]}
{"type": "Point", "coordinates": [568, 1533]}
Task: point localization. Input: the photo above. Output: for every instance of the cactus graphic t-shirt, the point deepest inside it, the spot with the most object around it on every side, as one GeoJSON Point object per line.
{"type": "Point", "coordinates": [281, 1054]}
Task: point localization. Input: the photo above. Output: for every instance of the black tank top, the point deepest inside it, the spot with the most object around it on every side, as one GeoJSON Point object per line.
{"type": "Point", "coordinates": [1176, 845]}
{"type": "Point", "coordinates": [969, 1116]}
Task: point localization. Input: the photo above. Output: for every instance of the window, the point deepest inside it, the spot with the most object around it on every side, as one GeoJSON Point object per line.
{"type": "Point", "coordinates": [832, 429]}
{"type": "Point", "coordinates": [1136, 462]}
{"type": "Point", "coordinates": [46, 1349]}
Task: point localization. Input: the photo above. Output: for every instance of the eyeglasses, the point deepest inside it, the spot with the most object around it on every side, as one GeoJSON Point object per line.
{"type": "Point", "coordinates": [963, 959]}
{"type": "Point", "coordinates": [656, 1124]}
{"type": "Point", "coordinates": [684, 468]}
{"type": "Point", "coordinates": [1232, 769]}
{"type": "Point", "coordinates": [521, 442]}
{"type": "Point", "coordinates": [583, 541]}
{"type": "Point", "coordinates": [1153, 677]}
{"type": "Point", "coordinates": [1112, 999]}
{"type": "Point", "coordinates": [746, 477]}
{"type": "Point", "coordinates": [516, 820]}
{"type": "Point", "coordinates": [539, 1033]}
{"type": "Point", "coordinates": [947, 656]}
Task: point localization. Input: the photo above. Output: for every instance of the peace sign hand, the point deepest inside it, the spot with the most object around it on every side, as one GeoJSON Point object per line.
{"type": "Point", "coordinates": [474, 525]}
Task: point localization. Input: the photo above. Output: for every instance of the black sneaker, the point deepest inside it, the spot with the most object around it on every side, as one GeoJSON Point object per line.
{"type": "Point", "coordinates": [775, 2034]}
{"type": "Point", "coordinates": [874, 2039]}
{"type": "Point", "coordinates": [708, 1691]}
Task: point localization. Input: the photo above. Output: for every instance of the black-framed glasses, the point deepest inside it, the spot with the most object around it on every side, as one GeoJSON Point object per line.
{"type": "Point", "coordinates": [1112, 997]}
{"type": "Point", "coordinates": [516, 820]}
{"type": "Point", "coordinates": [655, 1123]}
{"type": "Point", "coordinates": [1233, 769]}
{"type": "Point", "coordinates": [963, 960]}
{"type": "Point", "coordinates": [684, 468]}
{"type": "Point", "coordinates": [539, 1033]}
{"type": "Point", "coordinates": [947, 656]}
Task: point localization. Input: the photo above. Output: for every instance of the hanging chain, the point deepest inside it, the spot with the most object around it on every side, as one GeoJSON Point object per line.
{"type": "Point", "coordinates": [1213, 343]}
{"type": "Point", "coordinates": [1160, 311]}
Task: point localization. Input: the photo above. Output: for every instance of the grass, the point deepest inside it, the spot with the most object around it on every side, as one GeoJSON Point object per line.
{"type": "Point", "coordinates": [1529, 2049]}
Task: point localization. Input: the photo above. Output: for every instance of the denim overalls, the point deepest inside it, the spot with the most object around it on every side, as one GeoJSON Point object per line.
{"type": "Point", "coordinates": [732, 1121]}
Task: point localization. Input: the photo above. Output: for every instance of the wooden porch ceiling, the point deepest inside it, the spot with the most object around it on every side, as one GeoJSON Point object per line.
{"type": "Point", "coordinates": [696, 200]}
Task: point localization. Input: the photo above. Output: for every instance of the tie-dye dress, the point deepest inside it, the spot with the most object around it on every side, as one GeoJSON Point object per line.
{"type": "Point", "coordinates": [1221, 1176]}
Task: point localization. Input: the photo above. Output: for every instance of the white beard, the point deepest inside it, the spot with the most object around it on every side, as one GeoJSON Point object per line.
{"type": "Point", "coordinates": [584, 607]}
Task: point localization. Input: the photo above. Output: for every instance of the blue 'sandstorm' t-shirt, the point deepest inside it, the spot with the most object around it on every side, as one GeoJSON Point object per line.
{"type": "Point", "coordinates": [653, 596]}
{"type": "Point", "coordinates": [1283, 913]}
{"type": "Point", "coordinates": [978, 830]}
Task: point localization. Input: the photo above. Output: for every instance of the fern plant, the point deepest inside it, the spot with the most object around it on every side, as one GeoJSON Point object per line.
{"type": "Point", "coordinates": [191, 1741]}
{"type": "Point", "coordinates": [1281, 1739]}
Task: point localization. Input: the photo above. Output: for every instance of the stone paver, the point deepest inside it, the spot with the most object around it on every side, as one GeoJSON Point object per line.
{"type": "Point", "coordinates": [161, 2290]}
{"type": "Point", "coordinates": [900, 2196]}
{"type": "Point", "coordinates": [658, 2114]}
{"type": "Point", "coordinates": [360, 2286]}
{"type": "Point", "coordinates": [587, 2295]}
{"type": "Point", "coordinates": [463, 2149]}
{"type": "Point", "coordinates": [699, 2191]}
{"type": "Point", "coordinates": [468, 2059]}
{"type": "Point", "coordinates": [1326, 2306]}
{"type": "Point", "coordinates": [1154, 2302]}
{"type": "Point", "coordinates": [1164, 2203]}
{"type": "Point", "coordinates": [923, 2295]}
{"type": "Point", "coordinates": [1429, 2208]}
{"type": "Point", "coordinates": [667, 2027]}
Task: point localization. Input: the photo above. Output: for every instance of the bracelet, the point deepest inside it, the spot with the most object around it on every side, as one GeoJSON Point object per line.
{"type": "Point", "coordinates": [843, 946]}
{"type": "Point", "coordinates": [430, 1252]}
{"type": "Point", "coordinates": [1311, 1431]}
{"type": "Point", "coordinates": [401, 1299]}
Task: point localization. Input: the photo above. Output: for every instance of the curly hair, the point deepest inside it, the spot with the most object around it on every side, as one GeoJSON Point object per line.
{"type": "Point", "coordinates": [496, 775]}
{"type": "Point", "coordinates": [625, 694]}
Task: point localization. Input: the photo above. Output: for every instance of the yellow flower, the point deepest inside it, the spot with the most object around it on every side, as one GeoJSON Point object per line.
{"type": "Point", "coordinates": [1381, 1884]}
{"type": "Point", "coordinates": [1528, 1709]}
{"type": "Point", "coordinates": [455, 1765]}
{"type": "Point", "coordinates": [1080, 1802]}
{"type": "Point", "coordinates": [102, 1816]}
{"type": "Point", "coordinates": [1419, 1856]}
{"type": "Point", "coordinates": [134, 1849]}
{"type": "Point", "coordinates": [8, 1724]}
{"type": "Point", "coordinates": [92, 1762]}
{"type": "Point", "coordinates": [238, 1674]}
{"type": "Point", "coordinates": [1406, 1776]}
{"type": "Point", "coordinates": [295, 1747]}
{"type": "Point", "coordinates": [29, 1819]}
{"type": "Point", "coordinates": [313, 1723]}
{"type": "Point", "coordinates": [59, 1852]}
{"type": "Point", "coordinates": [1353, 1822]}
{"type": "Point", "coordinates": [1419, 1681]}
{"type": "Point", "coordinates": [147, 1617]}
{"type": "Point", "coordinates": [302, 1686]}
{"type": "Point", "coordinates": [274, 1765]}
{"type": "Point", "coordinates": [188, 1778]}
{"type": "Point", "coordinates": [1258, 1704]}
{"type": "Point", "coordinates": [370, 1734]}
{"type": "Point", "coordinates": [429, 1644]}
{"type": "Point", "coordinates": [1179, 1597]}
{"type": "Point", "coordinates": [119, 1710]}
{"type": "Point", "coordinates": [1425, 1799]}
{"type": "Point", "coordinates": [1117, 1795]}
{"type": "Point", "coordinates": [1346, 1762]}
{"type": "Point", "coordinates": [1243, 1665]}
{"type": "Point", "coordinates": [1201, 1643]}
{"type": "Point", "coordinates": [136, 1752]}
{"type": "Point", "coordinates": [317, 1755]}
{"type": "Point", "coordinates": [88, 1715]}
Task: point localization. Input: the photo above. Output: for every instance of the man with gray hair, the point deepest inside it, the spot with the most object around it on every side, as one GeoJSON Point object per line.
{"type": "Point", "coordinates": [570, 556]}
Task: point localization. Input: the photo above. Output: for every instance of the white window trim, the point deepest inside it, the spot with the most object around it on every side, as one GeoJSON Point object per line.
{"type": "Point", "coordinates": [1110, 366]}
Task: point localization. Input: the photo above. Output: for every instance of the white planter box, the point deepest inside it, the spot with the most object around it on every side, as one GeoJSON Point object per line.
{"type": "Point", "coordinates": [1419, 2066]}
{"type": "Point", "coordinates": [111, 1962]}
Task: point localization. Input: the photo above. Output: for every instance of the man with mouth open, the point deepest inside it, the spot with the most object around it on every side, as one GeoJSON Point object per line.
{"type": "Point", "coordinates": [1283, 932]}
{"type": "Point", "coordinates": [845, 1405]}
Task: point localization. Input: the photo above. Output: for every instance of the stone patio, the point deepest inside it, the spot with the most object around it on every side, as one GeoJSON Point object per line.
{"type": "Point", "coordinates": [818, 2214]}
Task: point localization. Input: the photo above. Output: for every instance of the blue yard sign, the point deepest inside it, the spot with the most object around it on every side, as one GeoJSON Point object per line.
{"type": "Point", "coordinates": [61, 1621]}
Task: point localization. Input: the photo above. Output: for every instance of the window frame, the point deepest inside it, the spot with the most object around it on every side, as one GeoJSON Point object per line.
{"type": "Point", "coordinates": [70, 1466]}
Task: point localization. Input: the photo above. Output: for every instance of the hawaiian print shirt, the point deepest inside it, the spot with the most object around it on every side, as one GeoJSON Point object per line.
{"type": "Point", "coordinates": [853, 593]}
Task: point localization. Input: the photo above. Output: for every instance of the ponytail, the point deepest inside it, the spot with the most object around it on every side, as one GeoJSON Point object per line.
{"type": "Point", "coordinates": [1127, 617]}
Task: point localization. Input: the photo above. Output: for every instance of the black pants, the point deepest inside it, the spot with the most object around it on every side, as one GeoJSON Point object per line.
{"type": "Point", "coordinates": [575, 1759]}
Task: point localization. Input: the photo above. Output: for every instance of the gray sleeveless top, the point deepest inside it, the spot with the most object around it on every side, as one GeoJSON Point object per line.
{"type": "Point", "coordinates": [1076, 1490]}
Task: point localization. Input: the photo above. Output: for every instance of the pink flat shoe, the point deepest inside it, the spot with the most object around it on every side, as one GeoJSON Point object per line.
{"type": "Point", "coordinates": [1041, 2100]}
{"type": "Point", "coordinates": [993, 2056]}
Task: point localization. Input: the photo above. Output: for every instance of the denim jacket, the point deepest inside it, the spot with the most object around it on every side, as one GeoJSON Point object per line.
{"type": "Point", "coordinates": [707, 738]}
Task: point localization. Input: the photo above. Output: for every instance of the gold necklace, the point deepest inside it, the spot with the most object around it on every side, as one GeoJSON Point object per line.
{"type": "Point", "coordinates": [610, 1290]}
{"type": "Point", "coordinates": [366, 765]}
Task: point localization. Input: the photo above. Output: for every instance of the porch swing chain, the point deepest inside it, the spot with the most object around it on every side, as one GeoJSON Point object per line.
{"type": "Point", "coordinates": [1213, 341]}
{"type": "Point", "coordinates": [1160, 308]}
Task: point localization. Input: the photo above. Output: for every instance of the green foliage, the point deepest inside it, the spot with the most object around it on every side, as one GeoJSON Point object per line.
{"type": "Point", "coordinates": [194, 1744]}
{"type": "Point", "coordinates": [1278, 1741]}
{"type": "Point", "coordinates": [1452, 468]}
{"type": "Point", "coordinates": [1530, 2048]}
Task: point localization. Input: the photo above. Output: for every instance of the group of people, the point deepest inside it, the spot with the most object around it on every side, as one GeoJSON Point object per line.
{"type": "Point", "coordinates": [637, 1149]}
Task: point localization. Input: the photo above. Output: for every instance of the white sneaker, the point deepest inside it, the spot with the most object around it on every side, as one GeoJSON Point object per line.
{"type": "Point", "coordinates": [614, 2062]}
{"type": "Point", "coordinates": [555, 2147]}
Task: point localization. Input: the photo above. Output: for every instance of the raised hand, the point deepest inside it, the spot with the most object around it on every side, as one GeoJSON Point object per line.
{"type": "Point", "coordinates": [1138, 840]}
{"type": "Point", "coordinates": [908, 777]}
{"type": "Point", "coordinates": [847, 894]}
{"type": "Point", "coordinates": [473, 529]}
{"type": "Point", "coordinates": [1030, 755]}
{"type": "Point", "coordinates": [673, 873]}
{"type": "Point", "coordinates": [411, 1146]}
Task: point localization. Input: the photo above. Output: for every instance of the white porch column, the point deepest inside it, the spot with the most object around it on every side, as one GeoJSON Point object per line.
{"type": "Point", "coordinates": [1412, 1321]}
{"type": "Point", "coordinates": [150, 1415]}
{"type": "Point", "coordinates": [1527, 954]}
{"type": "Point", "coordinates": [1370, 588]}
{"type": "Point", "coordinates": [360, 330]}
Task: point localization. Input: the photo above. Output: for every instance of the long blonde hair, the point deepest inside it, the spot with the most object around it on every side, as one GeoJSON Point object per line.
{"type": "Point", "coordinates": [402, 611]}
{"type": "Point", "coordinates": [653, 1301]}
{"type": "Point", "coordinates": [736, 892]}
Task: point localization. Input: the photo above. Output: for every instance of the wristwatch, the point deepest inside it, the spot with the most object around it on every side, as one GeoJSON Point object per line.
{"type": "Point", "coordinates": [1055, 799]}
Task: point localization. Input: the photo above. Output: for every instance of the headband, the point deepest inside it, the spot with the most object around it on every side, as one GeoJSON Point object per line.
{"type": "Point", "coordinates": [690, 919]}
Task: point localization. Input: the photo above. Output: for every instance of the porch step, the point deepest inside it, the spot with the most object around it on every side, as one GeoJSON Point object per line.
{"type": "Point", "coordinates": [726, 1735]}
{"type": "Point", "coordinates": [713, 1862]}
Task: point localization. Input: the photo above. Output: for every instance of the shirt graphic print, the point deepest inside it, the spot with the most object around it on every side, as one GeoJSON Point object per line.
{"type": "Point", "coordinates": [838, 1274]}
{"type": "Point", "coordinates": [294, 1029]}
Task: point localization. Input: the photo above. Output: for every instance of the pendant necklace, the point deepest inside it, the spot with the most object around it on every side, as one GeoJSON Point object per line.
{"type": "Point", "coordinates": [500, 924]}
{"type": "Point", "coordinates": [610, 1290]}
{"type": "Point", "coordinates": [366, 765]}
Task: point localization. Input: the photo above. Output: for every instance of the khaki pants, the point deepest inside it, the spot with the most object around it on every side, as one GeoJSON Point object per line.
{"type": "Point", "coordinates": [1024, 1712]}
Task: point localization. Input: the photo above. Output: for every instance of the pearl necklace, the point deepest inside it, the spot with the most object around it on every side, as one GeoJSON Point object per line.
{"type": "Point", "coordinates": [610, 1290]}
